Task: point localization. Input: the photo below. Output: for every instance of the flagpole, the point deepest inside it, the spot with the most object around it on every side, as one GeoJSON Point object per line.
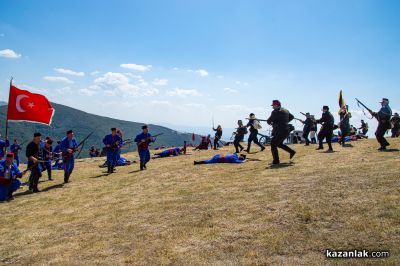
{"type": "Point", "coordinates": [9, 93]}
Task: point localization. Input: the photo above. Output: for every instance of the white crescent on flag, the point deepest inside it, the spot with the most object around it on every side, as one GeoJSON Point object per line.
{"type": "Point", "coordinates": [18, 102]}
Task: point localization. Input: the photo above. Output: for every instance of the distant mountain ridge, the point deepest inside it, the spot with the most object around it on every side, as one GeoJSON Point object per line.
{"type": "Point", "coordinates": [84, 123]}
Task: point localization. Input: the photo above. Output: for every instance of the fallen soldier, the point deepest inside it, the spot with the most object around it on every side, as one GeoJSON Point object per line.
{"type": "Point", "coordinates": [205, 141]}
{"type": "Point", "coordinates": [221, 158]}
{"type": "Point", "coordinates": [169, 152]}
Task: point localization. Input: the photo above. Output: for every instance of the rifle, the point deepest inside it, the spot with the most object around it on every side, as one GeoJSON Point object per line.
{"type": "Point", "coordinates": [83, 143]}
{"type": "Point", "coordinates": [303, 113]}
{"type": "Point", "coordinates": [298, 120]}
{"type": "Point", "coordinates": [261, 120]}
{"type": "Point", "coordinates": [145, 139]}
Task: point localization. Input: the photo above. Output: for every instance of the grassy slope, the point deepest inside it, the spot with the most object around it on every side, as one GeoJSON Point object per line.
{"type": "Point", "coordinates": [176, 213]}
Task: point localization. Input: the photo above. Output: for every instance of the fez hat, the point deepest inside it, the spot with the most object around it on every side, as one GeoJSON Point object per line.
{"type": "Point", "coordinates": [10, 154]}
{"type": "Point", "coordinates": [276, 102]}
{"type": "Point", "coordinates": [384, 100]}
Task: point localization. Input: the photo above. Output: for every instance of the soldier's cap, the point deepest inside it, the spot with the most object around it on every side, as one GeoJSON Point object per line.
{"type": "Point", "coordinates": [307, 113]}
{"type": "Point", "coordinates": [144, 126]}
{"type": "Point", "coordinates": [384, 100]}
{"type": "Point", "coordinates": [113, 129]}
{"type": "Point", "coordinates": [69, 131]}
{"type": "Point", "coordinates": [396, 114]}
{"type": "Point", "coordinates": [252, 115]}
{"type": "Point", "coordinates": [37, 134]}
{"type": "Point", "coordinates": [10, 155]}
{"type": "Point", "coordinates": [325, 107]}
{"type": "Point", "coordinates": [276, 102]}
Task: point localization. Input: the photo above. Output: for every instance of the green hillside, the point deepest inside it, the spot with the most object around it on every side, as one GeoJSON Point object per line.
{"type": "Point", "coordinates": [83, 123]}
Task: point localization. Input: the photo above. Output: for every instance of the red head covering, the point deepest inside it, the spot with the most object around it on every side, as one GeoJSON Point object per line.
{"type": "Point", "coordinates": [276, 102]}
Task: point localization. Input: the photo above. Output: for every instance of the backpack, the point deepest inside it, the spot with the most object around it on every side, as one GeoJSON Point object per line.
{"type": "Point", "coordinates": [256, 124]}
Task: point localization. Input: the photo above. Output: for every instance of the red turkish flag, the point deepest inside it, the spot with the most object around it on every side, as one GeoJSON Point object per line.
{"type": "Point", "coordinates": [26, 106]}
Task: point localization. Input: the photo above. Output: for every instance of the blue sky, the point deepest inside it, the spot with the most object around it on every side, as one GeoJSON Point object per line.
{"type": "Point", "coordinates": [182, 62]}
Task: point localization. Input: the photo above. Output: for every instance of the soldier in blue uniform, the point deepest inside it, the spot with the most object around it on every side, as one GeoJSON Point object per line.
{"type": "Point", "coordinates": [143, 141]}
{"type": "Point", "coordinates": [57, 156]}
{"type": "Point", "coordinates": [47, 154]}
{"type": "Point", "coordinates": [113, 143]}
{"type": "Point", "coordinates": [3, 144]}
{"type": "Point", "coordinates": [15, 148]}
{"type": "Point", "coordinates": [228, 158]}
{"type": "Point", "coordinates": [68, 147]}
{"type": "Point", "coordinates": [9, 173]}
{"type": "Point", "coordinates": [383, 117]}
{"type": "Point", "coordinates": [169, 152]}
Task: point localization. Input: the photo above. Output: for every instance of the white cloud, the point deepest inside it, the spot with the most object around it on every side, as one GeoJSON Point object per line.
{"type": "Point", "coordinates": [94, 73]}
{"type": "Point", "coordinates": [160, 82]}
{"type": "Point", "coordinates": [231, 90]}
{"type": "Point", "coordinates": [183, 93]}
{"type": "Point", "coordinates": [69, 72]}
{"type": "Point", "coordinates": [242, 83]}
{"type": "Point", "coordinates": [58, 79]}
{"type": "Point", "coordinates": [141, 68]}
{"type": "Point", "coordinates": [65, 90]}
{"type": "Point", "coordinates": [33, 89]}
{"type": "Point", "coordinates": [175, 68]}
{"type": "Point", "coordinates": [202, 72]}
{"type": "Point", "coordinates": [87, 92]}
{"type": "Point", "coordinates": [119, 84]}
{"type": "Point", "coordinates": [8, 53]}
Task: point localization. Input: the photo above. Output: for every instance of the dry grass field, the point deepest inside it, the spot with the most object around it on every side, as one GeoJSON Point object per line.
{"type": "Point", "coordinates": [176, 213]}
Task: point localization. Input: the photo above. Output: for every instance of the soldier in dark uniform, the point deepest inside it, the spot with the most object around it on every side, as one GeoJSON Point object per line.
{"type": "Point", "coordinates": [344, 124]}
{"type": "Point", "coordinates": [395, 121]}
{"type": "Point", "coordinates": [314, 129]}
{"type": "Point", "coordinates": [326, 130]}
{"type": "Point", "coordinates": [32, 153]}
{"type": "Point", "coordinates": [364, 127]}
{"type": "Point", "coordinates": [308, 123]}
{"type": "Point", "coordinates": [279, 119]}
{"type": "Point", "coordinates": [239, 135]}
{"type": "Point", "coordinates": [218, 136]}
{"type": "Point", "coordinates": [254, 127]}
{"type": "Point", "coordinates": [383, 117]}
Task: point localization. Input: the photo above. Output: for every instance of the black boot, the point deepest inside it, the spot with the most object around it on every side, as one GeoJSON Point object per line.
{"type": "Point", "coordinates": [66, 177]}
{"type": "Point", "coordinates": [141, 166]}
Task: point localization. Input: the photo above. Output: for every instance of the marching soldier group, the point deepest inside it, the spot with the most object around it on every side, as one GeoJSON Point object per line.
{"type": "Point", "coordinates": [280, 118]}
{"type": "Point", "coordinates": [40, 154]}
